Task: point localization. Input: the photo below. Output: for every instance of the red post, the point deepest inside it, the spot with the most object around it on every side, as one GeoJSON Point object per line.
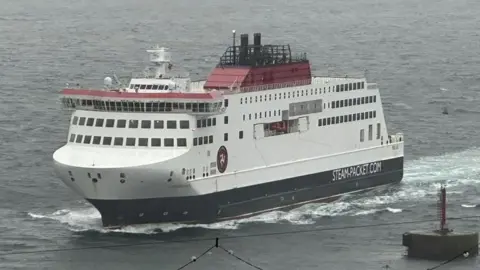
{"type": "Point", "coordinates": [443, 208]}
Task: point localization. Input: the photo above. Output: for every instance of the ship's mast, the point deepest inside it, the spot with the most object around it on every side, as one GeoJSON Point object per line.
{"type": "Point", "coordinates": [160, 57]}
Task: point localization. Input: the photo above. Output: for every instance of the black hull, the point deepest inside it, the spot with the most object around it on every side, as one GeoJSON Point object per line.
{"type": "Point", "coordinates": [247, 201]}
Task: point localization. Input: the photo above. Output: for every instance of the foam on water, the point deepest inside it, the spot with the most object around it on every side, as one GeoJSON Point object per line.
{"type": "Point", "coordinates": [422, 179]}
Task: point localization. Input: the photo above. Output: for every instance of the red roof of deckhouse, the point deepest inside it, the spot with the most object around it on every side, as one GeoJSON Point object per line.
{"type": "Point", "coordinates": [107, 94]}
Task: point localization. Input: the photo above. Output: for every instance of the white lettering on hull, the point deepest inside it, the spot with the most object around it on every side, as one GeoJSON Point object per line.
{"type": "Point", "coordinates": [355, 171]}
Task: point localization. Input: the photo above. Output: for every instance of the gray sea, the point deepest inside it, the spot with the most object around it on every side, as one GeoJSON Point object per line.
{"type": "Point", "coordinates": [423, 54]}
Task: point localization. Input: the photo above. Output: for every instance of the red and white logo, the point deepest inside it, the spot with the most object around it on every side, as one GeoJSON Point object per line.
{"type": "Point", "coordinates": [222, 159]}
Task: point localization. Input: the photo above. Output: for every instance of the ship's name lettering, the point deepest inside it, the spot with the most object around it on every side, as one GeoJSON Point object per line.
{"type": "Point", "coordinates": [359, 170]}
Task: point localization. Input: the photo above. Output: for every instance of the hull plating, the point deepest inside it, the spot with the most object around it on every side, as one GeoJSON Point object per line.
{"type": "Point", "coordinates": [246, 201]}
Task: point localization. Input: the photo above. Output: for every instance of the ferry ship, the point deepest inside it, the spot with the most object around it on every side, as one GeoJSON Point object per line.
{"type": "Point", "coordinates": [261, 133]}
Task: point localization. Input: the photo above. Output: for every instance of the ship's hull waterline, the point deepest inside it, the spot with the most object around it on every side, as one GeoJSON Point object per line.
{"type": "Point", "coordinates": [246, 201]}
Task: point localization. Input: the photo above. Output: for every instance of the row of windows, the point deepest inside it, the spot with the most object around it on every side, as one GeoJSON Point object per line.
{"type": "Point", "coordinates": [121, 123]}
{"type": "Point", "coordinates": [262, 114]}
{"type": "Point", "coordinates": [316, 91]}
{"type": "Point", "coordinates": [129, 141]}
{"type": "Point", "coordinates": [203, 140]}
{"type": "Point", "coordinates": [370, 133]}
{"type": "Point", "coordinates": [149, 86]}
{"type": "Point", "coordinates": [135, 106]}
{"type": "Point", "coordinates": [208, 122]}
{"type": "Point", "coordinates": [347, 118]}
{"type": "Point", "coordinates": [353, 101]}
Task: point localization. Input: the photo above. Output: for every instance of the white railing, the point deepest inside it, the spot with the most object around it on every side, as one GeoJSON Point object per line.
{"type": "Point", "coordinates": [271, 86]}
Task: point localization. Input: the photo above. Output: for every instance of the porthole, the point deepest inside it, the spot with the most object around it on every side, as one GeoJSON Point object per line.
{"type": "Point", "coordinates": [165, 213]}
{"type": "Point", "coordinates": [94, 180]}
{"type": "Point", "coordinates": [122, 181]}
{"type": "Point", "coordinates": [140, 215]}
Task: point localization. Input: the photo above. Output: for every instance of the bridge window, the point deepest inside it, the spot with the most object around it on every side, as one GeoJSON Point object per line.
{"type": "Point", "coordinates": [155, 87]}
{"type": "Point", "coordinates": [133, 123]}
{"type": "Point", "coordinates": [110, 123]}
{"type": "Point", "coordinates": [185, 124]}
{"type": "Point", "coordinates": [79, 139]}
{"type": "Point", "coordinates": [171, 124]}
{"type": "Point", "coordinates": [182, 142]}
{"type": "Point", "coordinates": [130, 142]}
{"type": "Point", "coordinates": [74, 120]}
{"type": "Point", "coordinates": [168, 142]}
{"type": "Point", "coordinates": [96, 139]}
{"type": "Point", "coordinates": [107, 140]}
{"type": "Point", "coordinates": [99, 122]}
{"type": "Point", "coordinates": [87, 139]}
{"type": "Point", "coordinates": [155, 142]}
{"type": "Point", "coordinates": [209, 122]}
{"type": "Point", "coordinates": [149, 87]}
{"type": "Point", "coordinates": [121, 123]}
{"type": "Point", "coordinates": [142, 142]}
{"type": "Point", "coordinates": [158, 124]}
{"type": "Point", "coordinates": [143, 86]}
{"type": "Point", "coordinates": [146, 124]}
{"type": "Point", "coordinates": [118, 141]}
{"type": "Point", "coordinates": [90, 122]}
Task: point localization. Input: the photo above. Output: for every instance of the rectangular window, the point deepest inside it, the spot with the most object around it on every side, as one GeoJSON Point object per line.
{"type": "Point", "coordinates": [225, 120]}
{"type": "Point", "coordinates": [121, 123]}
{"type": "Point", "coordinates": [110, 123]}
{"type": "Point", "coordinates": [72, 137]}
{"type": "Point", "coordinates": [171, 124]}
{"type": "Point", "coordinates": [79, 139]}
{"type": "Point", "coordinates": [225, 137]}
{"type": "Point", "coordinates": [130, 142]}
{"type": "Point", "coordinates": [362, 135]}
{"type": "Point", "coordinates": [210, 139]}
{"type": "Point", "coordinates": [74, 120]}
{"type": "Point", "coordinates": [90, 122]}
{"type": "Point", "coordinates": [96, 139]}
{"type": "Point", "coordinates": [156, 142]}
{"type": "Point", "coordinates": [200, 140]}
{"type": "Point", "coordinates": [194, 141]}
{"type": "Point", "coordinates": [182, 142]}
{"type": "Point", "coordinates": [168, 142]}
{"type": "Point", "coordinates": [199, 123]}
{"type": "Point", "coordinates": [209, 122]}
{"type": "Point", "coordinates": [158, 124]}
{"type": "Point", "coordinates": [378, 131]}
{"type": "Point", "coordinates": [99, 122]}
{"type": "Point", "coordinates": [107, 140]}
{"type": "Point", "coordinates": [118, 141]}
{"type": "Point", "coordinates": [142, 142]}
{"type": "Point", "coordinates": [204, 122]}
{"type": "Point", "coordinates": [133, 123]}
{"type": "Point", "coordinates": [214, 123]}
{"type": "Point", "coordinates": [87, 139]}
{"type": "Point", "coordinates": [370, 132]}
{"type": "Point", "coordinates": [324, 122]}
{"type": "Point", "coordinates": [146, 124]}
{"type": "Point", "coordinates": [240, 134]}
{"type": "Point", "coordinates": [226, 102]}
{"type": "Point", "coordinates": [184, 124]}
